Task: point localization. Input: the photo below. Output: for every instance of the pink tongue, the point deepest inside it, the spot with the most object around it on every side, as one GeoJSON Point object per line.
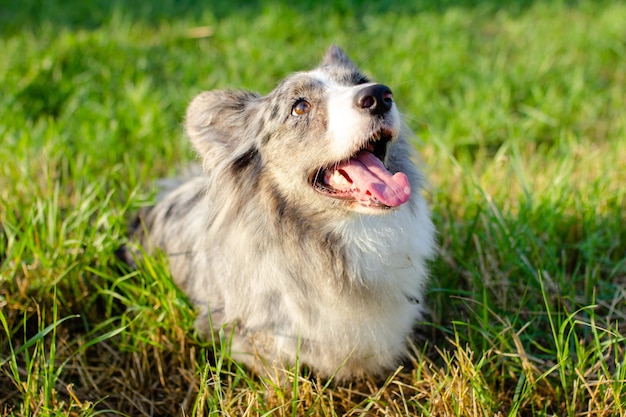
{"type": "Point", "coordinates": [370, 179]}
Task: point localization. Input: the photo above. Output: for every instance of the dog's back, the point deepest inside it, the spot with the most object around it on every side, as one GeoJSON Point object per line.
{"type": "Point", "coordinates": [307, 234]}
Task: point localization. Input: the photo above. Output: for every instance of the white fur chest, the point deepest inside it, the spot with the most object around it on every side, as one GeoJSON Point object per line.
{"type": "Point", "coordinates": [362, 327]}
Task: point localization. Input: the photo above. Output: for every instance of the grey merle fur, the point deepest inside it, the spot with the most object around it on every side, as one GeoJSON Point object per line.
{"type": "Point", "coordinates": [291, 271]}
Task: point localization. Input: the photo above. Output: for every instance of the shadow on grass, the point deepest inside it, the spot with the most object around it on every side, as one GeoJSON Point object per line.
{"type": "Point", "coordinates": [499, 269]}
{"type": "Point", "coordinates": [17, 15]}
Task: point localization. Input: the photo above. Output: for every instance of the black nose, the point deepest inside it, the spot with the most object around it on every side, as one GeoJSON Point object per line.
{"type": "Point", "coordinates": [377, 99]}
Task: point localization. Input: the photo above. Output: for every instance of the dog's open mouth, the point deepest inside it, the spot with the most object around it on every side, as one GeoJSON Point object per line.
{"type": "Point", "coordinates": [363, 178]}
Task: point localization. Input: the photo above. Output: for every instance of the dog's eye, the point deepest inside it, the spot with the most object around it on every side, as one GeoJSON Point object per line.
{"type": "Point", "coordinates": [301, 107]}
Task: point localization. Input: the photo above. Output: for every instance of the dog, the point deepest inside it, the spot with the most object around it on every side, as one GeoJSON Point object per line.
{"type": "Point", "coordinates": [306, 236]}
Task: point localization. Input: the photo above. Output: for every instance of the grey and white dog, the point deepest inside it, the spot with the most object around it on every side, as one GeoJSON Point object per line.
{"type": "Point", "coordinates": [306, 235]}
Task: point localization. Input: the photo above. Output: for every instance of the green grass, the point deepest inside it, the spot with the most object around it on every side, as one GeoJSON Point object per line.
{"type": "Point", "coordinates": [519, 111]}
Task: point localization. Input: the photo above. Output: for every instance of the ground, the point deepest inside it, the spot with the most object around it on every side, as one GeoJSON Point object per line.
{"type": "Point", "coordinates": [518, 111]}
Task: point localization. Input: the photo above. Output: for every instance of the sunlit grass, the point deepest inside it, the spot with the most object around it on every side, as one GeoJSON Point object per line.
{"type": "Point", "coordinates": [520, 122]}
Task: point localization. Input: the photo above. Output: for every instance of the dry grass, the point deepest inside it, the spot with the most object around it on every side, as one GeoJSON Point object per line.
{"type": "Point", "coordinates": [519, 108]}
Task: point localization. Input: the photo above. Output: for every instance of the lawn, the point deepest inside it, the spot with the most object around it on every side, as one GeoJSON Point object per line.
{"type": "Point", "coordinates": [519, 113]}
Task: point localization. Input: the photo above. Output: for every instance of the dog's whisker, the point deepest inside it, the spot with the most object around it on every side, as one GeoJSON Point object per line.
{"type": "Point", "coordinates": [317, 175]}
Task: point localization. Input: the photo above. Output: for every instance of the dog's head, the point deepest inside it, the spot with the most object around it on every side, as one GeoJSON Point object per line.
{"type": "Point", "coordinates": [322, 139]}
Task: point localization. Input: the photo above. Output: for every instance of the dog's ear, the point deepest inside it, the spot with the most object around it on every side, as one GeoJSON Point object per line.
{"type": "Point", "coordinates": [335, 56]}
{"type": "Point", "coordinates": [215, 121]}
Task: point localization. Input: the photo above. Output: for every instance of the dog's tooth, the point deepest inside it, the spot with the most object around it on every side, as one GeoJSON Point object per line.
{"type": "Point", "coordinates": [337, 180]}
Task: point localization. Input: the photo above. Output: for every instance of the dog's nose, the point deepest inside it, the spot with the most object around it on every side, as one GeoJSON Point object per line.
{"type": "Point", "coordinates": [377, 99]}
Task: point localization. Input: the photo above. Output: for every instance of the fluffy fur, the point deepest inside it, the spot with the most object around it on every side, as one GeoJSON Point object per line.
{"type": "Point", "coordinates": [264, 252]}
